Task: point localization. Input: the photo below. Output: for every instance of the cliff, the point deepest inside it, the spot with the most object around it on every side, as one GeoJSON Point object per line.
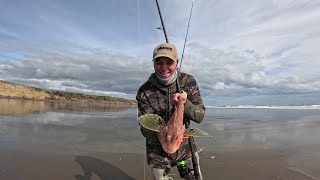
{"type": "Point", "coordinates": [19, 91]}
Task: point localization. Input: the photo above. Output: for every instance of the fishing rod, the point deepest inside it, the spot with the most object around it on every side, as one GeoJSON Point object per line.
{"type": "Point", "coordinates": [162, 24]}
{"type": "Point", "coordinates": [186, 38]}
{"type": "Point", "coordinates": [187, 121]}
{"type": "Point", "coordinates": [195, 163]}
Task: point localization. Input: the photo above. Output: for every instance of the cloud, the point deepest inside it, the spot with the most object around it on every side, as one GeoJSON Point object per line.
{"type": "Point", "coordinates": [240, 52]}
{"type": "Point", "coordinates": [6, 33]}
{"type": "Point", "coordinates": [97, 72]}
{"type": "Point", "coordinates": [220, 73]}
{"type": "Point", "coordinates": [243, 73]}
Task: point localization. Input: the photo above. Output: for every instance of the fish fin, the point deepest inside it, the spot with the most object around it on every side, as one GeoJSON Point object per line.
{"type": "Point", "coordinates": [196, 133]}
{"type": "Point", "coordinates": [153, 122]}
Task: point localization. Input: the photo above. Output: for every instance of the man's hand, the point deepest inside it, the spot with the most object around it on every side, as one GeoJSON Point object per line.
{"type": "Point", "coordinates": [179, 97]}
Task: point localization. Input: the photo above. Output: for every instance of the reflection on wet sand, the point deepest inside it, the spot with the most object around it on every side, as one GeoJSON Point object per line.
{"type": "Point", "coordinates": [20, 107]}
{"type": "Point", "coordinates": [23, 106]}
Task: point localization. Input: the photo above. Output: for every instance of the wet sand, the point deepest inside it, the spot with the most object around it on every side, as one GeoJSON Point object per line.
{"type": "Point", "coordinates": [264, 165]}
{"type": "Point", "coordinates": [61, 144]}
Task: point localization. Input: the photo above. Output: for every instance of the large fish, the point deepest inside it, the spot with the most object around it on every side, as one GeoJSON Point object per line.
{"type": "Point", "coordinates": [170, 134]}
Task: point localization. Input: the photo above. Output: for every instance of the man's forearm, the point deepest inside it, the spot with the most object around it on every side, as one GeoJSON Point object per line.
{"type": "Point", "coordinates": [193, 112]}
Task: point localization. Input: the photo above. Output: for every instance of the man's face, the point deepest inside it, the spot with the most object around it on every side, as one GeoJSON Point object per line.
{"type": "Point", "coordinates": [164, 67]}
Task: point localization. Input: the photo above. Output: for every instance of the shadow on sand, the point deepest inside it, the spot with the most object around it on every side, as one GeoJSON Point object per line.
{"type": "Point", "coordinates": [102, 169]}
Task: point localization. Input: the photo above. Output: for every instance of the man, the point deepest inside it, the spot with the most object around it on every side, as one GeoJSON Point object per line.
{"type": "Point", "coordinates": [158, 96]}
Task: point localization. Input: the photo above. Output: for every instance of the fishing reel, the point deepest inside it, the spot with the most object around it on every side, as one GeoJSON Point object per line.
{"type": "Point", "coordinates": [183, 169]}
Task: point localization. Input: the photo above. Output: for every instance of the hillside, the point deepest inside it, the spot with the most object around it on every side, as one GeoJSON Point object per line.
{"type": "Point", "coordinates": [19, 91]}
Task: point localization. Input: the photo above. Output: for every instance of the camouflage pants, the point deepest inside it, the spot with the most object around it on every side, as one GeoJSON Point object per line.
{"type": "Point", "coordinates": [162, 162]}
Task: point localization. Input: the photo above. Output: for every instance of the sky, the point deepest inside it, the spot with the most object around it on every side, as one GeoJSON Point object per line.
{"type": "Point", "coordinates": [249, 52]}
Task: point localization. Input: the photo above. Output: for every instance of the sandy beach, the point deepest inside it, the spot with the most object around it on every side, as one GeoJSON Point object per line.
{"type": "Point", "coordinates": [51, 144]}
{"type": "Point", "coordinates": [51, 166]}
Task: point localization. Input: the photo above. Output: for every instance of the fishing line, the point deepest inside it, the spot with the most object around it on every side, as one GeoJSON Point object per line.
{"type": "Point", "coordinates": [139, 27]}
{"type": "Point", "coordinates": [140, 54]}
{"type": "Point", "coordinates": [185, 40]}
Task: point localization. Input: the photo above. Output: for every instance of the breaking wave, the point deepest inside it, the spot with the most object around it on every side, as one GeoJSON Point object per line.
{"type": "Point", "coordinates": [267, 107]}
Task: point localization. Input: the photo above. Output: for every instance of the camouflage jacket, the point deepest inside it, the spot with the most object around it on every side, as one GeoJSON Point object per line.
{"type": "Point", "coordinates": [155, 98]}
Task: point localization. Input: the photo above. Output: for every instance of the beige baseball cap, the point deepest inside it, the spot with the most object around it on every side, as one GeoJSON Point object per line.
{"type": "Point", "coordinates": [165, 50]}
